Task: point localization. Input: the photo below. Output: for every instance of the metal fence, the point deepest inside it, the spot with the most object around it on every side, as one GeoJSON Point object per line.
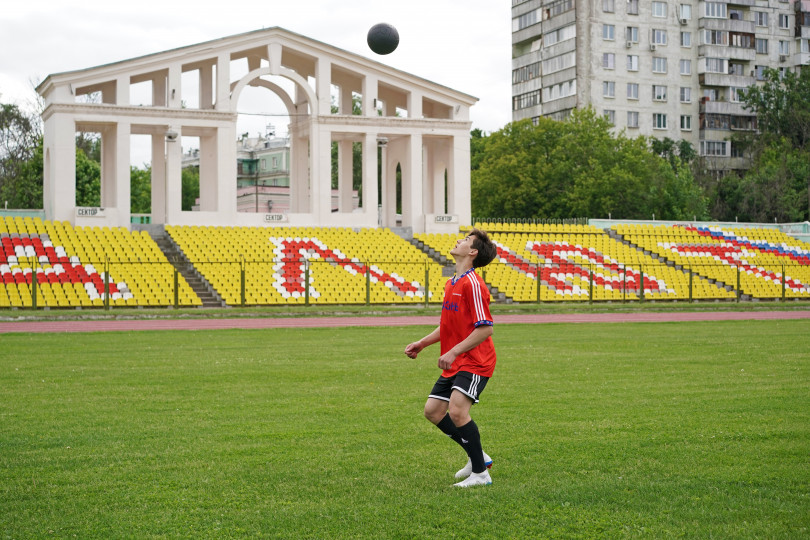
{"type": "Point", "coordinates": [115, 283]}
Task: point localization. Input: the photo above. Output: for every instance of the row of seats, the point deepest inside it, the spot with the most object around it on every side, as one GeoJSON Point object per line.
{"type": "Point", "coordinates": [341, 265]}
{"type": "Point", "coordinates": [64, 266]}
{"type": "Point", "coordinates": [763, 263]}
{"type": "Point", "coordinates": [61, 266]}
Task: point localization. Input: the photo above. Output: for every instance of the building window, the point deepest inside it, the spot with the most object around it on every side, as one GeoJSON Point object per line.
{"type": "Point", "coordinates": [526, 73]}
{"type": "Point", "coordinates": [608, 32]}
{"type": "Point", "coordinates": [608, 60]}
{"type": "Point", "coordinates": [632, 62]}
{"type": "Point", "coordinates": [759, 72]}
{"type": "Point", "coordinates": [611, 117]}
{"type": "Point", "coordinates": [659, 9]}
{"type": "Point", "coordinates": [632, 7]}
{"type": "Point", "coordinates": [558, 91]}
{"type": "Point", "coordinates": [737, 94]}
{"type": "Point", "coordinates": [686, 122]}
{"type": "Point", "coordinates": [561, 34]}
{"type": "Point", "coordinates": [712, 148]}
{"type": "Point", "coordinates": [608, 89]}
{"type": "Point", "coordinates": [659, 92]}
{"type": "Point", "coordinates": [685, 12]}
{"type": "Point", "coordinates": [716, 65]}
{"type": "Point", "coordinates": [632, 90]}
{"type": "Point", "coordinates": [715, 37]}
{"type": "Point", "coordinates": [761, 18]}
{"type": "Point", "coordinates": [526, 20]}
{"type": "Point", "coordinates": [761, 45]}
{"type": "Point", "coordinates": [659, 37]}
{"type": "Point", "coordinates": [659, 121]}
{"type": "Point", "coordinates": [784, 47]}
{"type": "Point", "coordinates": [631, 34]}
{"type": "Point", "coordinates": [558, 63]}
{"type": "Point", "coordinates": [686, 39]}
{"type": "Point", "coordinates": [715, 10]}
{"type": "Point", "coordinates": [743, 41]}
{"type": "Point", "coordinates": [524, 101]}
{"type": "Point", "coordinates": [632, 119]}
{"type": "Point", "coordinates": [686, 94]}
{"type": "Point", "coordinates": [686, 67]}
{"type": "Point", "coordinates": [659, 64]}
{"type": "Point", "coordinates": [804, 45]}
{"type": "Point", "coordinates": [736, 69]}
{"type": "Point", "coordinates": [784, 21]}
{"type": "Point", "coordinates": [608, 6]}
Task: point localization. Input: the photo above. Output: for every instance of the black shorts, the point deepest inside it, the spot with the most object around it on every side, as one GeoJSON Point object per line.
{"type": "Point", "coordinates": [469, 384]}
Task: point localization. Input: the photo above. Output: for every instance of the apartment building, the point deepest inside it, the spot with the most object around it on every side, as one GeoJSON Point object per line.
{"type": "Point", "coordinates": [655, 68]}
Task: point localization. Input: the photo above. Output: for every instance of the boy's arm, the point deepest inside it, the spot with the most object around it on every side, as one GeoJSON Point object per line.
{"type": "Point", "coordinates": [476, 338]}
{"type": "Point", "coordinates": [416, 347]}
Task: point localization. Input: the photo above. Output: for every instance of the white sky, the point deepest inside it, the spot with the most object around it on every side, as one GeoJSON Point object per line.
{"type": "Point", "coordinates": [462, 44]}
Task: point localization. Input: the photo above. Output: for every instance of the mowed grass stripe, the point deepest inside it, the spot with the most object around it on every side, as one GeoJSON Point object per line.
{"type": "Point", "coordinates": [599, 430]}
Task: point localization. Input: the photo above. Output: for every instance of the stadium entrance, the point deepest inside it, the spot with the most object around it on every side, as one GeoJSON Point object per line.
{"type": "Point", "coordinates": [357, 128]}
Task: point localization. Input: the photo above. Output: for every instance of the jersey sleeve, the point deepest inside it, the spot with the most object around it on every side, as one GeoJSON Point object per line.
{"type": "Point", "coordinates": [479, 302]}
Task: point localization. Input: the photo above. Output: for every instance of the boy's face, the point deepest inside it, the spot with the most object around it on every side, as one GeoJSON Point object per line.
{"type": "Point", "coordinates": [464, 247]}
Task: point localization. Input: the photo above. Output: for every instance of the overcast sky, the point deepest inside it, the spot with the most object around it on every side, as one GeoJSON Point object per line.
{"type": "Point", "coordinates": [462, 44]}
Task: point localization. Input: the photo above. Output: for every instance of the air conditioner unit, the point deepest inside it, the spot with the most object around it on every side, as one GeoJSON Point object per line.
{"type": "Point", "coordinates": [783, 57]}
{"type": "Point", "coordinates": [628, 44]}
{"type": "Point", "coordinates": [752, 73]}
{"type": "Point", "coordinates": [683, 21]}
{"type": "Point", "coordinates": [652, 46]}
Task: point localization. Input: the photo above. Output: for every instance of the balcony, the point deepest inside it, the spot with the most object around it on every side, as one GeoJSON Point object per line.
{"type": "Point", "coordinates": [732, 53]}
{"type": "Point", "coordinates": [724, 80]}
{"type": "Point", "coordinates": [728, 25]}
{"type": "Point", "coordinates": [723, 107]}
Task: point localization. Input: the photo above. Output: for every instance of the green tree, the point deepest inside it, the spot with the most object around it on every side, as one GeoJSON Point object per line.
{"type": "Point", "coordinates": [478, 145]}
{"type": "Point", "coordinates": [778, 183]}
{"type": "Point", "coordinates": [190, 177]}
{"type": "Point", "coordinates": [20, 158]}
{"type": "Point", "coordinates": [578, 168]}
{"type": "Point", "coordinates": [141, 190]}
{"type": "Point", "coordinates": [782, 105]}
{"type": "Point", "coordinates": [88, 180]}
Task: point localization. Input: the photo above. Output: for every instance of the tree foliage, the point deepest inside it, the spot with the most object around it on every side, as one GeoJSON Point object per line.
{"type": "Point", "coordinates": [777, 186]}
{"type": "Point", "coordinates": [20, 158]}
{"type": "Point", "coordinates": [578, 168]}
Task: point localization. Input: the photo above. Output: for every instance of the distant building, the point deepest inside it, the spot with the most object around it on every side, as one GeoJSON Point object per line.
{"type": "Point", "coordinates": [658, 68]}
{"type": "Point", "coordinates": [262, 174]}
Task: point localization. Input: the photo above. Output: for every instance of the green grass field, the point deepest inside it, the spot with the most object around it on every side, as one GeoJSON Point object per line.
{"type": "Point", "coordinates": [697, 430]}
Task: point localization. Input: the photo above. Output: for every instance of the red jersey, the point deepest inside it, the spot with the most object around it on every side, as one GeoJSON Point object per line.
{"type": "Point", "coordinates": [466, 307]}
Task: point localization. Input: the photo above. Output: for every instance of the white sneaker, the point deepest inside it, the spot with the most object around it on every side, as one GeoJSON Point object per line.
{"type": "Point", "coordinates": [476, 479]}
{"type": "Point", "coordinates": [467, 470]}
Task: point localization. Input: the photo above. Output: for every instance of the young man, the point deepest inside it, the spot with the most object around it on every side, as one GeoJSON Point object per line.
{"type": "Point", "coordinates": [467, 354]}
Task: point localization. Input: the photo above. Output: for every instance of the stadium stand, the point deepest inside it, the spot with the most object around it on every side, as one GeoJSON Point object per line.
{"type": "Point", "coordinates": [69, 264]}
{"type": "Point", "coordinates": [755, 258]}
{"type": "Point", "coordinates": [578, 262]}
{"type": "Point", "coordinates": [272, 266]}
{"type": "Point", "coordinates": [342, 265]}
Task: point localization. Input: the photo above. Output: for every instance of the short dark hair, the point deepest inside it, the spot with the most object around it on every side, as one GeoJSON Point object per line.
{"type": "Point", "coordinates": [486, 249]}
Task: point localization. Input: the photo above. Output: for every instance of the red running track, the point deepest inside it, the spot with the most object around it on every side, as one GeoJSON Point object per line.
{"type": "Point", "coordinates": [395, 321]}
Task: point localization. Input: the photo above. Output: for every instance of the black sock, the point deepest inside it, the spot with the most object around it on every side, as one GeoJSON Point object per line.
{"type": "Point", "coordinates": [471, 441]}
{"type": "Point", "coordinates": [449, 428]}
